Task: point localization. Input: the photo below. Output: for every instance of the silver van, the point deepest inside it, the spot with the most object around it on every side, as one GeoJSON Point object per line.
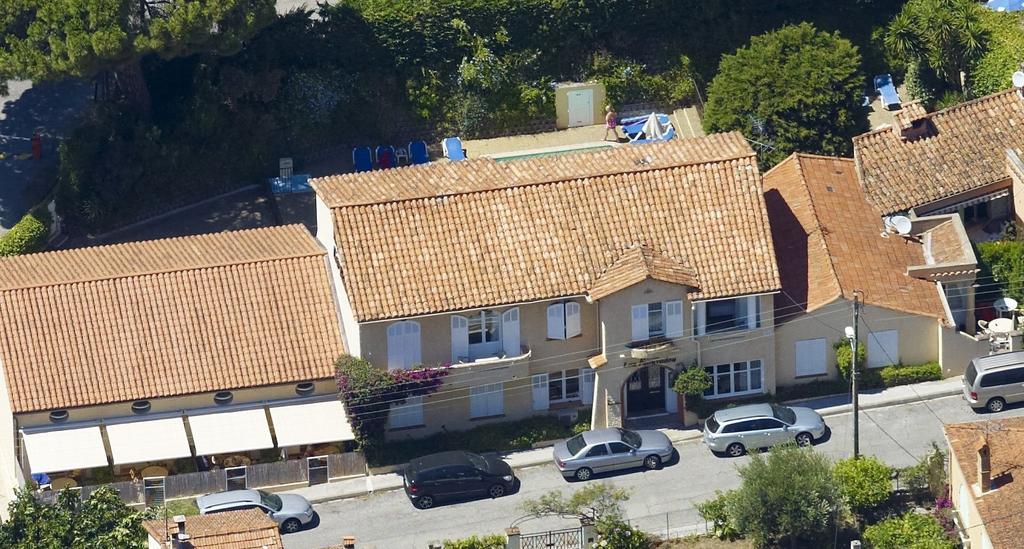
{"type": "Point", "coordinates": [991, 382]}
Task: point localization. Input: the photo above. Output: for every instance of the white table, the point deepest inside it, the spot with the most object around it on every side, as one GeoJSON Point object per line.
{"type": "Point", "coordinates": [1001, 326]}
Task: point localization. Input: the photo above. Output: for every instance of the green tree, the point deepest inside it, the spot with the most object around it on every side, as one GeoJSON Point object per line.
{"type": "Point", "coordinates": [864, 482]}
{"type": "Point", "coordinates": [794, 89]}
{"type": "Point", "coordinates": [1003, 55]}
{"type": "Point", "coordinates": [947, 35]}
{"type": "Point", "coordinates": [52, 39]}
{"type": "Point", "coordinates": [909, 531]}
{"type": "Point", "coordinates": [101, 522]}
{"type": "Point", "coordinates": [788, 497]}
{"type": "Point", "coordinates": [593, 502]}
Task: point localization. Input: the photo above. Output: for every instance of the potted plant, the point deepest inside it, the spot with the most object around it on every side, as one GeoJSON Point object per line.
{"type": "Point", "coordinates": [691, 384]}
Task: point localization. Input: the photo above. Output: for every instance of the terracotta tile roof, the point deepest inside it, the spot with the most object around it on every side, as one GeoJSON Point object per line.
{"type": "Point", "coordinates": [444, 178]}
{"type": "Point", "coordinates": [638, 264]}
{"type": "Point", "coordinates": [248, 529]}
{"type": "Point", "coordinates": [828, 241]}
{"type": "Point", "coordinates": [166, 317]}
{"type": "Point", "coordinates": [962, 148]}
{"type": "Point", "coordinates": [999, 508]}
{"type": "Point", "coordinates": [552, 239]}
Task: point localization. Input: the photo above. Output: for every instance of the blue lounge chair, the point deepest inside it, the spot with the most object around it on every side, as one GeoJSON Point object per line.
{"type": "Point", "coordinates": [634, 125]}
{"type": "Point", "coordinates": [452, 147]}
{"type": "Point", "coordinates": [886, 89]}
{"type": "Point", "coordinates": [418, 152]}
{"type": "Point", "coordinates": [362, 159]}
{"type": "Point", "coordinates": [386, 157]}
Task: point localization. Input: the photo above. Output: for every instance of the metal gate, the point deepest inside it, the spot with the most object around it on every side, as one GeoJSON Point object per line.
{"type": "Point", "coordinates": [571, 538]}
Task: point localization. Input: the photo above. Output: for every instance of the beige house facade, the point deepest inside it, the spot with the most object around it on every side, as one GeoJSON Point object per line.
{"type": "Point", "coordinates": [149, 359]}
{"type": "Point", "coordinates": [557, 285]}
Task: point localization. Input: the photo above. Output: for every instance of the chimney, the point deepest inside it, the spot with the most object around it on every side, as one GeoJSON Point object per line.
{"type": "Point", "coordinates": [181, 538]}
{"type": "Point", "coordinates": [984, 468]}
{"type": "Point", "coordinates": [348, 542]}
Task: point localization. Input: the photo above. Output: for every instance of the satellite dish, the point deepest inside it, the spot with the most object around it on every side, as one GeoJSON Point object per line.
{"type": "Point", "coordinates": [899, 223]}
{"type": "Point", "coordinates": [1018, 79]}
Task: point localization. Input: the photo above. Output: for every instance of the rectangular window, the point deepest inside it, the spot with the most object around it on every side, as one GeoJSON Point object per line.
{"type": "Point", "coordinates": [737, 378]}
{"type": "Point", "coordinates": [564, 386]}
{"type": "Point", "coordinates": [655, 320]}
{"type": "Point", "coordinates": [811, 357]}
{"type": "Point", "coordinates": [725, 315]}
{"type": "Point", "coordinates": [484, 328]}
{"type": "Point", "coordinates": [408, 414]}
{"type": "Point", "coordinates": [487, 400]}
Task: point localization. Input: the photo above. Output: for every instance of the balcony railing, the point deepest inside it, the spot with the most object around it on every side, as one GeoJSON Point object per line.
{"type": "Point", "coordinates": [498, 359]}
{"type": "Point", "coordinates": [652, 349]}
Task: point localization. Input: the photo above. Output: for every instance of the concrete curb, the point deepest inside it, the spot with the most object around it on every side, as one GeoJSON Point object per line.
{"type": "Point", "coordinates": [690, 435]}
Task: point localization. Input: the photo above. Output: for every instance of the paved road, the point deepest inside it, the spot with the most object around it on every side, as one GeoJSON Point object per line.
{"type": "Point", "coordinates": [660, 499]}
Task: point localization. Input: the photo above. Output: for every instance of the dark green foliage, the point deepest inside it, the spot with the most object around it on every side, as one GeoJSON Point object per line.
{"type": "Point", "coordinates": [1003, 260]}
{"type": "Point", "coordinates": [28, 235]}
{"type": "Point", "coordinates": [905, 375]}
{"type": "Point", "coordinates": [493, 541]}
{"type": "Point", "coordinates": [495, 437]}
{"type": "Point", "coordinates": [864, 483]}
{"type": "Point", "coordinates": [716, 512]}
{"type": "Point", "coordinates": [794, 89]}
{"type": "Point", "coordinates": [101, 522]}
{"type": "Point", "coordinates": [843, 350]}
{"type": "Point", "coordinates": [692, 381]}
{"type": "Point", "coordinates": [946, 36]}
{"type": "Point", "coordinates": [1003, 54]}
{"type": "Point", "coordinates": [368, 393]}
{"type": "Point", "coordinates": [909, 531]}
{"type": "Point", "coordinates": [771, 508]}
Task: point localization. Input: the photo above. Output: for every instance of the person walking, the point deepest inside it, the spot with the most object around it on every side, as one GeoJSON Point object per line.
{"type": "Point", "coordinates": [611, 123]}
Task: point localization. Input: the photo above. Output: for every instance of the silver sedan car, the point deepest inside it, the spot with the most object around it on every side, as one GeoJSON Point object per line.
{"type": "Point", "coordinates": [291, 511]}
{"type": "Point", "coordinates": [733, 431]}
{"type": "Point", "coordinates": [603, 450]}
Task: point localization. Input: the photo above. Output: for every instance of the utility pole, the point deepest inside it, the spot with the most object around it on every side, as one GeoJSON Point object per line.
{"type": "Point", "coordinates": [853, 375]}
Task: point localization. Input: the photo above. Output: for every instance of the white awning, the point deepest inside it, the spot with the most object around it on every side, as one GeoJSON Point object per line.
{"type": "Point", "coordinates": [971, 202]}
{"type": "Point", "coordinates": [148, 440]}
{"type": "Point", "coordinates": [310, 423]}
{"type": "Point", "coordinates": [65, 449]}
{"type": "Point", "coordinates": [225, 432]}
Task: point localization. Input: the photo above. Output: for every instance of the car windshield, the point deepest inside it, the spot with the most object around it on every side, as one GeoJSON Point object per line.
{"type": "Point", "coordinates": [270, 500]}
{"type": "Point", "coordinates": [783, 413]}
{"type": "Point", "coordinates": [477, 461]}
{"type": "Point", "coordinates": [631, 438]}
{"type": "Point", "coordinates": [712, 425]}
{"type": "Point", "coordinates": [575, 444]}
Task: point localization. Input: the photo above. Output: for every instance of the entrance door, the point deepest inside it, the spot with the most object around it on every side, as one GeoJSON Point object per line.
{"type": "Point", "coordinates": [581, 108]}
{"type": "Point", "coordinates": [645, 391]}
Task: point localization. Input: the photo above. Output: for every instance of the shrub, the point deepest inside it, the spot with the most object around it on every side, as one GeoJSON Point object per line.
{"type": "Point", "coordinates": [909, 531]}
{"type": "Point", "coordinates": [493, 541]}
{"type": "Point", "coordinates": [613, 533]}
{"type": "Point", "coordinates": [928, 474]}
{"type": "Point", "coordinates": [595, 502]}
{"type": "Point", "coordinates": [903, 375]}
{"type": "Point", "coordinates": [1005, 51]}
{"type": "Point", "coordinates": [27, 235]}
{"type": "Point", "coordinates": [864, 482]}
{"type": "Point", "coordinates": [716, 512]}
{"type": "Point", "coordinates": [1003, 260]}
{"type": "Point", "coordinates": [802, 497]}
{"type": "Point", "coordinates": [843, 352]}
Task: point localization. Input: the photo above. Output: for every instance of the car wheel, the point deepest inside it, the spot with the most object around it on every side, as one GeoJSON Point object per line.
{"type": "Point", "coordinates": [804, 439]}
{"type": "Point", "coordinates": [996, 405]}
{"type": "Point", "coordinates": [584, 474]}
{"type": "Point", "coordinates": [291, 526]}
{"type": "Point", "coordinates": [425, 502]}
{"type": "Point", "coordinates": [496, 491]}
{"type": "Point", "coordinates": [735, 450]}
{"type": "Point", "coordinates": [652, 462]}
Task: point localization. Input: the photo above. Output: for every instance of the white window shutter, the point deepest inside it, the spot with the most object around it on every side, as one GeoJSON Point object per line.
{"type": "Point", "coordinates": [556, 321]}
{"type": "Point", "coordinates": [460, 338]}
{"type": "Point", "coordinates": [572, 319]}
{"type": "Point", "coordinates": [510, 332]}
{"type": "Point", "coordinates": [587, 385]}
{"type": "Point", "coordinates": [811, 357]}
{"type": "Point", "coordinates": [413, 357]}
{"type": "Point", "coordinates": [640, 330]}
{"type": "Point", "coordinates": [671, 397]}
{"type": "Point", "coordinates": [396, 346]}
{"type": "Point", "coordinates": [702, 315]}
{"type": "Point", "coordinates": [673, 318]}
{"type": "Point", "coordinates": [752, 312]}
{"type": "Point", "coordinates": [539, 387]}
{"type": "Point", "coordinates": [408, 414]}
{"type": "Point", "coordinates": [478, 401]}
{"type": "Point", "coordinates": [496, 405]}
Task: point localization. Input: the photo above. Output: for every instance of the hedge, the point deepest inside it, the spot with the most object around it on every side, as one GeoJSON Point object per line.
{"type": "Point", "coordinates": [497, 437]}
{"type": "Point", "coordinates": [909, 531]}
{"type": "Point", "coordinates": [27, 235]}
{"type": "Point", "coordinates": [492, 541]}
{"type": "Point", "coordinates": [905, 375]}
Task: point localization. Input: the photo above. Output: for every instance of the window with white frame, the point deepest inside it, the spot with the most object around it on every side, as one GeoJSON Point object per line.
{"type": "Point", "coordinates": [564, 320]}
{"type": "Point", "coordinates": [883, 348]}
{"type": "Point", "coordinates": [811, 357]}
{"type": "Point", "coordinates": [726, 315]}
{"type": "Point", "coordinates": [487, 400]}
{"type": "Point", "coordinates": [654, 320]}
{"type": "Point", "coordinates": [484, 327]}
{"type": "Point", "coordinates": [407, 414]}
{"type": "Point", "coordinates": [564, 386]}
{"type": "Point", "coordinates": [736, 378]}
{"type": "Point", "coordinates": [403, 345]}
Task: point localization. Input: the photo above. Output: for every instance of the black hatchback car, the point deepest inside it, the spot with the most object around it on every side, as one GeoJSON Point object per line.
{"type": "Point", "coordinates": [456, 475]}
